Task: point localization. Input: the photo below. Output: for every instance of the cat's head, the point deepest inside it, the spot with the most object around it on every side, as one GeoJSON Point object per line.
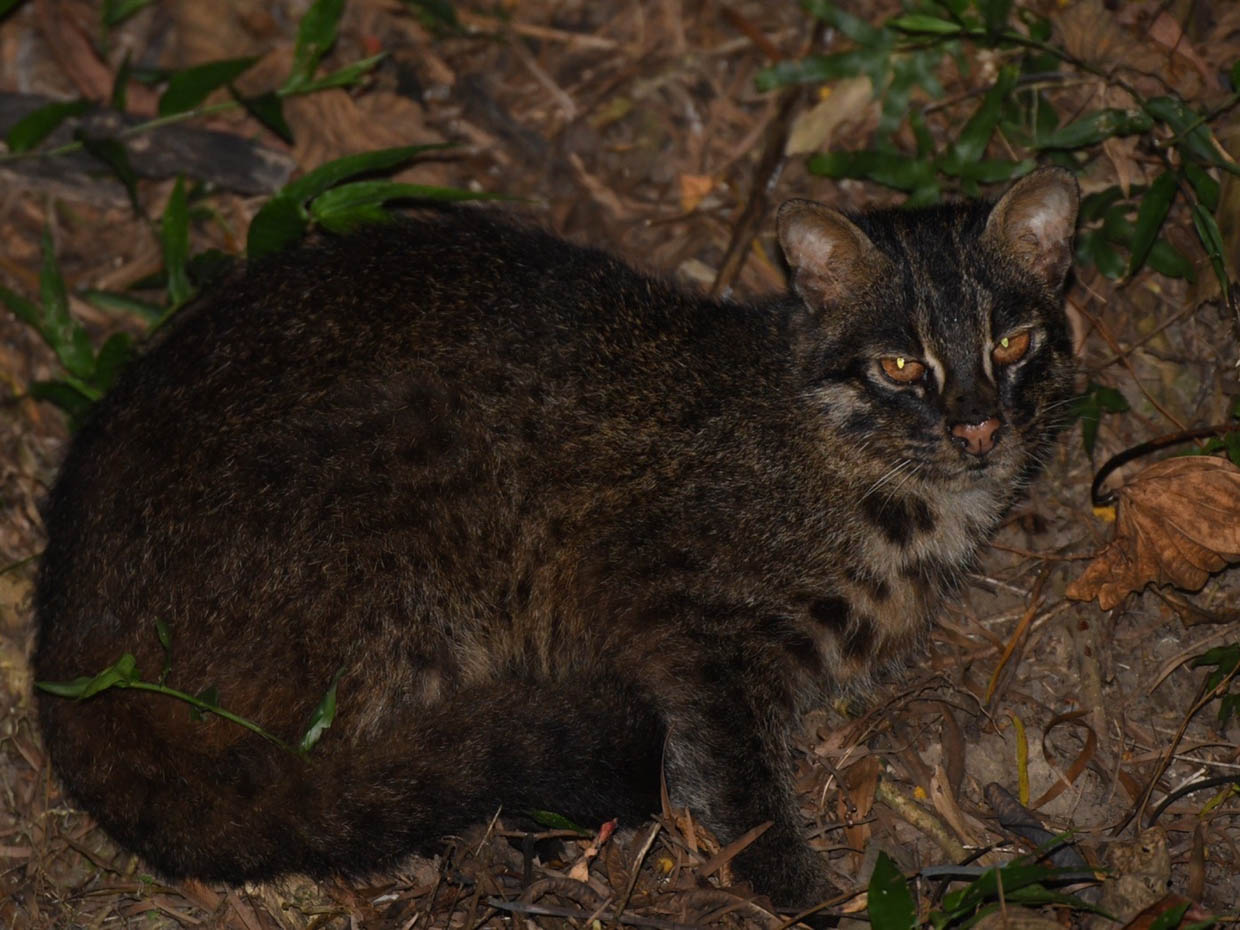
{"type": "Point", "coordinates": [937, 336]}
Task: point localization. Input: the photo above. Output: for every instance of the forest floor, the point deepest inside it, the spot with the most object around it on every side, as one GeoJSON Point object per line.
{"type": "Point", "coordinates": [637, 127]}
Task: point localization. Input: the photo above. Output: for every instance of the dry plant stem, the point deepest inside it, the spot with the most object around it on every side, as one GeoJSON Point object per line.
{"type": "Point", "coordinates": [1086, 643]}
{"type": "Point", "coordinates": [1204, 697]}
{"type": "Point", "coordinates": [920, 818]}
{"type": "Point", "coordinates": [1018, 635]}
{"type": "Point", "coordinates": [543, 910]}
{"type": "Point", "coordinates": [637, 867]}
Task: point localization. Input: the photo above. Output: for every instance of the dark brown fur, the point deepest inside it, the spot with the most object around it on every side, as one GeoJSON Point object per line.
{"type": "Point", "coordinates": [557, 522]}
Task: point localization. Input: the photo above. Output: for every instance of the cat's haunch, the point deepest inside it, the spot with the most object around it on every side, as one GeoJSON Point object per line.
{"type": "Point", "coordinates": [561, 526]}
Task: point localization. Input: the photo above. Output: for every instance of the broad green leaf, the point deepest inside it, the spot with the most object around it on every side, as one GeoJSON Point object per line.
{"type": "Point", "coordinates": [1154, 208]}
{"type": "Point", "coordinates": [892, 170]}
{"type": "Point", "coordinates": [174, 237]}
{"type": "Point", "coordinates": [34, 127]}
{"type": "Point", "coordinates": [975, 136]}
{"type": "Point", "coordinates": [891, 904]}
{"type": "Point", "coordinates": [70, 398]}
{"type": "Point", "coordinates": [115, 156]}
{"type": "Point", "coordinates": [1204, 186]}
{"type": "Point", "coordinates": [818, 69]}
{"type": "Point", "coordinates": [554, 821]}
{"type": "Point", "coordinates": [187, 89]}
{"type": "Point", "coordinates": [991, 171]}
{"type": "Point", "coordinates": [328, 175]}
{"type": "Point", "coordinates": [1170, 918]}
{"type": "Point", "coordinates": [113, 355]}
{"type": "Point", "coordinates": [279, 223]}
{"type": "Point", "coordinates": [1094, 128]}
{"type": "Point", "coordinates": [268, 109]}
{"type": "Point", "coordinates": [315, 35]}
{"type": "Point", "coordinates": [322, 718]}
{"type": "Point", "coordinates": [123, 303]}
{"type": "Point", "coordinates": [995, 14]}
{"type": "Point", "coordinates": [1091, 405]}
{"type": "Point", "coordinates": [1193, 136]}
{"type": "Point", "coordinates": [344, 77]}
{"type": "Point", "coordinates": [120, 85]}
{"type": "Point", "coordinates": [1095, 206]}
{"type": "Point", "coordinates": [116, 12]}
{"type": "Point", "coordinates": [923, 23]}
{"type": "Point", "coordinates": [1167, 260]}
{"type": "Point", "coordinates": [1092, 248]}
{"type": "Point", "coordinates": [1212, 239]}
{"type": "Point", "coordinates": [120, 674]}
{"type": "Point", "coordinates": [63, 333]}
{"type": "Point", "coordinates": [345, 207]}
{"type": "Point", "coordinates": [854, 27]}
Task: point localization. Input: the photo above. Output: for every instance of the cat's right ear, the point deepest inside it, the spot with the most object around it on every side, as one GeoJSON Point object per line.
{"type": "Point", "coordinates": [831, 259]}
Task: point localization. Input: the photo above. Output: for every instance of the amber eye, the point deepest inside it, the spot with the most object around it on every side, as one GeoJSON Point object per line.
{"type": "Point", "coordinates": [902, 369]}
{"type": "Point", "coordinates": [1011, 349]}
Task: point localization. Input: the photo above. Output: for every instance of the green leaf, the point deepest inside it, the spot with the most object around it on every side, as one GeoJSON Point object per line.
{"type": "Point", "coordinates": [1212, 239]}
{"type": "Point", "coordinates": [1094, 128]}
{"type": "Point", "coordinates": [187, 89]}
{"type": "Point", "coordinates": [1154, 208]}
{"type": "Point", "coordinates": [995, 14]}
{"type": "Point", "coordinates": [114, 155]}
{"type": "Point", "coordinates": [68, 397]}
{"type": "Point", "coordinates": [975, 136]}
{"type": "Point", "coordinates": [120, 85]}
{"type": "Point", "coordinates": [315, 35]}
{"type": "Point", "coordinates": [923, 23]}
{"type": "Point", "coordinates": [891, 904]}
{"type": "Point", "coordinates": [347, 76]}
{"type": "Point", "coordinates": [268, 109]}
{"type": "Point", "coordinates": [120, 674]}
{"type": "Point", "coordinates": [113, 355]}
{"type": "Point", "coordinates": [279, 223]}
{"type": "Point", "coordinates": [1167, 260]}
{"type": "Point", "coordinates": [34, 127]}
{"type": "Point", "coordinates": [818, 69]}
{"type": "Point", "coordinates": [1204, 186]}
{"type": "Point", "coordinates": [887, 168]}
{"type": "Point", "coordinates": [554, 821]}
{"type": "Point", "coordinates": [174, 237]}
{"type": "Point", "coordinates": [321, 719]}
{"type": "Point", "coordinates": [1110, 399]}
{"type": "Point", "coordinates": [1092, 248]}
{"type": "Point", "coordinates": [1091, 405]}
{"type": "Point", "coordinates": [328, 175]}
{"type": "Point", "coordinates": [854, 27]}
{"type": "Point", "coordinates": [343, 208]}
{"type": "Point", "coordinates": [116, 12]}
{"type": "Point", "coordinates": [1193, 136]}
{"type": "Point", "coordinates": [123, 303]}
{"type": "Point", "coordinates": [8, 6]}
{"type": "Point", "coordinates": [63, 333]}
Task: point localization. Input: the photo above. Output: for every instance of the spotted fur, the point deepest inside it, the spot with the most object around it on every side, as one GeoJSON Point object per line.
{"type": "Point", "coordinates": [561, 526]}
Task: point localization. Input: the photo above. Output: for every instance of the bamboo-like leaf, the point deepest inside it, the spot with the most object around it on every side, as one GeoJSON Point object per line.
{"type": "Point", "coordinates": [322, 718]}
{"type": "Point", "coordinates": [116, 12]}
{"type": "Point", "coordinates": [1154, 208]}
{"type": "Point", "coordinates": [114, 155]}
{"type": "Point", "coordinates": [1095, 127]}
{"type": "Point", "coordinates": [316, 33]}
{"type": "Point", "coordinates": [1212, 239]}
{"type": "Point", "coordinates": [34, 127]}
{"type": "Point", "coordinates": [890, 901]}
{"type": "Point", "coordinates": [279, 223]}
{"type": "Point", "coordinates": [332, 173]}
{"type": "Point", "coordinates": [268, 109]}
{"type": "Point", "coordinates": [343, 208]}
{"type": "Point", "coordinates": [347, 76]}
{"type": "Point", "coordinates": [174, 237]}
{"type": "Point", "coordinates": [925, 24]}
{"type": "Point", "coordinates": [187, 89]}
{"type": "Point", "coordinates": [975, 136]}
{"type": "Point", "coordinates": [63, 333]}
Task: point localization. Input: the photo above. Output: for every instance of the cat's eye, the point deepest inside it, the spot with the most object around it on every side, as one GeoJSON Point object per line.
{"type": "Point", "coordinates": [1011, 349]}
{"type": "Point", "coordinates": [902, 369]}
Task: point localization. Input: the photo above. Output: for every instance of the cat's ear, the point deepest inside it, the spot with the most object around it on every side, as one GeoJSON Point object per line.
{"type": "Point", "coordinates": [831, 259]}
{"type": "Point", "coordinates": [1034, 223]}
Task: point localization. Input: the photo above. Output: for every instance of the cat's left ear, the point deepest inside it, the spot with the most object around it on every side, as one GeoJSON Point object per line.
{"type": "Point", "coordinates": [1034, 222]}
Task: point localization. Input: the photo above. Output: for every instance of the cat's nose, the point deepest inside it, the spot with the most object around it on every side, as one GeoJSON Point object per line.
{"type": "Point", "coordinates": [976, 438]}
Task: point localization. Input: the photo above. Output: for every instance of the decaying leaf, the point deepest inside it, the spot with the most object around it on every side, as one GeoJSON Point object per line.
{"type": "Point", "coordinates": [1178, 521]}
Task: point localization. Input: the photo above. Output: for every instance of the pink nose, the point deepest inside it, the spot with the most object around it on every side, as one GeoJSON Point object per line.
{"type": "Point", "coordinates": [976, 438]}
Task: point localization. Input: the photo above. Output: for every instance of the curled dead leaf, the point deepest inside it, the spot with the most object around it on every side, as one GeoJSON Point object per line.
{"type": "Point", "coordinates": [1178, 521]}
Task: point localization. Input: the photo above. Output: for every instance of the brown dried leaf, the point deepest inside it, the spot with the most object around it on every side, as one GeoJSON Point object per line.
{"type": "Point", "coordinates": [1178, 521]}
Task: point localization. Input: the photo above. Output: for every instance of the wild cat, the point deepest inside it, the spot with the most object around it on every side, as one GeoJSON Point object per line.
{"type": "Point", "coordinates": [559, 526]}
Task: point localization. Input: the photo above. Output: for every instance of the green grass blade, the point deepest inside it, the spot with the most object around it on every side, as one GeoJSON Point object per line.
{"type": "Point", "coordinates": [34, 127]}
{"type": "Point", "coordinates": [187, 89]}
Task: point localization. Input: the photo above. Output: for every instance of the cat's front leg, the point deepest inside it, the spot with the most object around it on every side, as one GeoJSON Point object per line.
{"type": "Point", "coordinates": [728, 761]}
